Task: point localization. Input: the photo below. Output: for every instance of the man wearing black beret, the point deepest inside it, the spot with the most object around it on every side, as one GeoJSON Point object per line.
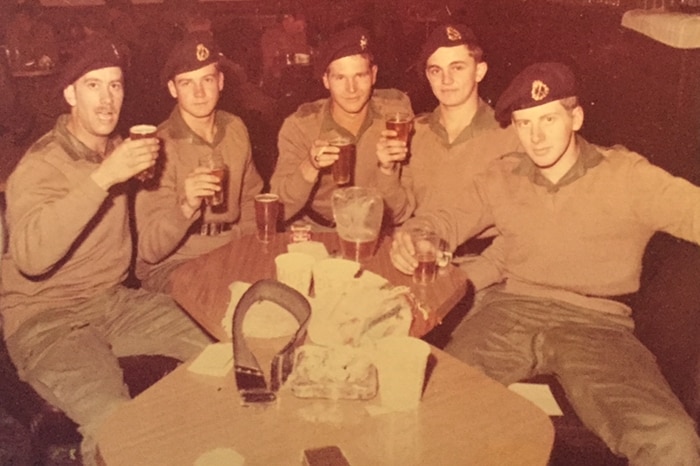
{"type": "Point", "coordinates": [195, 129]}
{"type": "Point", "coordinates": [354, 110]}
{"type": "Point", "coordinates": [66, 315]}
{"type": "Point", "coordinates": [575, 219]}
{"type": "Point", "coordinates": [455, 141]}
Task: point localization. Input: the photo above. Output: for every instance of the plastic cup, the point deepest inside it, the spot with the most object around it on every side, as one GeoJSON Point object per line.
{"type": "Point", "coordinates": [294, 269]}
{"type": "Point", "coordinates": [333, 275]}
{"type": "Point", "coordinates": [401, 363]}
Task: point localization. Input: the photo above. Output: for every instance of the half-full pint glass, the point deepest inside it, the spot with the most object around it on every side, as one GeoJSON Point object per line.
{"type": "Point", "coordinates": [358, 216]}
{"type": "Point", "coordinates": [267, 208]}
{"type": "Point", "coordinates": [427, 252]}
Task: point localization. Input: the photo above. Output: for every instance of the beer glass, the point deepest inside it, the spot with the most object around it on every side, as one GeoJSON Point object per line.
{"type": "Point", "coordinates": [401, 122]}
{"type": "Point", "coordinates": [215, 163]}
{"type": "Point", "coordinates": [358, 214]}
{"type": "Point", "coordinates": [267, 209]}
{"type": "Point", "coordinates": [143, 132]}
{"type": "Point", "coordinates": [344, 167]}
{"type": "Point", "coordinates": [427, 252]}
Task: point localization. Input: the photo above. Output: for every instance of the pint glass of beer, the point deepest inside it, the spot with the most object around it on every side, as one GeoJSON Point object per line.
{"type": "Point", "coordinates": [215, 163]}
{"type": "Point", "coordinates": [344, 167]}
{"type": "Point", "coordinates": [267, 208]}
{"type": "Point", "coordinates": [143, 132]}
{"type": "Point", "coordinates": [427, 252]}
{"type": "Point", "coordinates": [401, 122]}
{"type": "Point", "coordinates": [358, 214]}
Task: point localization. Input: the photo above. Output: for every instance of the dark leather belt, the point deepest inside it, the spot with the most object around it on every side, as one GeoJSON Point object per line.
{"type": "Point", "coordinates": [250, 378]}
{"type": "Point", "coordinates": [215, 228]}
{"type": "Point", "coordinates": [319, 219]}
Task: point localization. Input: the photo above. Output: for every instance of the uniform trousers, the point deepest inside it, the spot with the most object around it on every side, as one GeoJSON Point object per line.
{"type": "Point", "coordinates": [70, 355]}
{"type": "Point", "coordinates": [610, 378]}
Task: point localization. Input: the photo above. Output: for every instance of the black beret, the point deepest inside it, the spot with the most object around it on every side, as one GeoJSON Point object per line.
{"type": "Point", "coordinates": [447, 35]}
{"type": "Point", "coordinates": [351, 41]}
{"type": "Point", "coordinates": [196, 50]}
{"type": "Point", "coordinates": [536, 85]}
{"type": "Point", "coordinates": [93, 53]}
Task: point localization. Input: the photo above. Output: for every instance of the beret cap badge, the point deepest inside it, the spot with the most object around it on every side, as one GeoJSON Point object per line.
{"type": "Point", "coordinates": [539, 90]}
{"type": "Point", "coordinates": [453, 34]}
{"type": "Point", "coordinates": [363, 42]}
{"type": "Point", "coordinates": [202, 52]}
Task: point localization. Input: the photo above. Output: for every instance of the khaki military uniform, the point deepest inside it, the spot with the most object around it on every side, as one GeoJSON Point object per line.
{"type": "Point", "coordinates": [314, 121]}
{"type": "Point", "coordinates": [571, 252]}
{"type": "Point", "coordinates": [66, 316]}
{"type": "Point", "coordinates": [166, 237]}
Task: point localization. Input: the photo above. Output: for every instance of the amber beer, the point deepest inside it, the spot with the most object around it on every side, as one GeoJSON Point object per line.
{"type": "Point", "coordinates": [143, 132]}
{"type": "Point", "coordinates": [344, 167]}
{"type": "Point", "coordinates": [267, 209]}
{"type": "Point", "coordinates": [426, 270]}
{"type": "Point", "coordinates": [426, 244]}
{"type": "Point", "coordinates": [218, 198]}
{"type": "Point", "coordinates": [359, 250]}
{"type": "Point", "coordinates": [402, 123]}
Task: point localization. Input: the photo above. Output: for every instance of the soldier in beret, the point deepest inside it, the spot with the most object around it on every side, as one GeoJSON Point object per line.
{"type": "Point", "coordinates": [353, 109]}
{"type": "Point", "coordinates": [575, 219]}
{"type": "Point", "coordinates": [195, 128]}
{"type": "Point", "coordinates": [66, 315]}
{"type": "Point", "coordinates": [455, 141]}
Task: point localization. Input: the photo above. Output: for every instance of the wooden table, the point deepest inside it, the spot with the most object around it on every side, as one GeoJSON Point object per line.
{"type": "Point", "coordinates": [465, 418]}
{"type": "Point", "coordinates": [201, 285]}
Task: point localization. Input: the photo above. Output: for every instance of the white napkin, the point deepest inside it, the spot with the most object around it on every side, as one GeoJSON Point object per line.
{"type": "Point", "coordinates": [216, 360]}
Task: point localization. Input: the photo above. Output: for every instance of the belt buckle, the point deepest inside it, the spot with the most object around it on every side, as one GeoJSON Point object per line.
{"type": "Point", "coordinates": [211, 229]}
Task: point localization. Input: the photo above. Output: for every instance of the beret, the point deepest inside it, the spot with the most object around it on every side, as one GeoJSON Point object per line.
{"type": "Point", "coordinates": [536, 85]}
{"type": "Point", "coordinates": [93, 53]}
{"type": "Point", "coordinates": [447, 35]}
{"type": "Point", "coordinates": [351, 41]}
{"type": "Point", "coordinates": [196, 50]}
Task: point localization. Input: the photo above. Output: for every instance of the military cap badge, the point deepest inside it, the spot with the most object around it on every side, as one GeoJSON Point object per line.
{"type": "Point", "coordinates": [453, 34]}
{"type": "Point", "coordinates": [202, 52]}
{"type": "Point", "coordinates": [539, 90]}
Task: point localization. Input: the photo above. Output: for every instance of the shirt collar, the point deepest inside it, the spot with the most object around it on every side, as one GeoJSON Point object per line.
{"type": "Point", "coordinates": [329, 125]}
{"type": "Point", "coordinates": [75, 148]}
{"type": "Point", "coordinates": [589, 157]}
{"type": "Point", "coordinates": [180, 130]}
{"type": "Point", "coordinates": [483, 119]}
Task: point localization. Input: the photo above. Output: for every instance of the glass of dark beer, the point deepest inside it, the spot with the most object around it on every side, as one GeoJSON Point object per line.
{"type": "Point", "coordinates": [143, 132]}
{"type": "Point", "coordinates": [343, 168]}
{"type": "Point", "coordinates": [427, 252]}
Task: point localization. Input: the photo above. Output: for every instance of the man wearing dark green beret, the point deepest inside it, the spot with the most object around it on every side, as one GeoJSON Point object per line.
{"type": "Point", "coordinates": [66, 315]}
{"type": "Point", "coordinates": [575, 219]}
{"type": "Point", "coordinates": [455, 141]}
{"type": "Point", "coordinates": [354, 109]}
{"type": "Point", "coordinates": [196, 129]}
